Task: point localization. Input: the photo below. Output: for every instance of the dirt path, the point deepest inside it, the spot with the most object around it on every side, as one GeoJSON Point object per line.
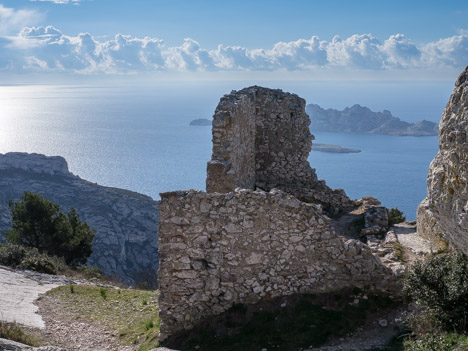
{"type": "Point", "coordinates": [65, 329]}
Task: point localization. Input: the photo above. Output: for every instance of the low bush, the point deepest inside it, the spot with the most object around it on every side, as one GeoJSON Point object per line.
{"type": "Point", "coordinates": [89, 272]}
{"type": "Point", "coordinates": [440, 285]}
{"type": "Point", "coordinates": [395, 216]}
{"type": "Point", "coordinates": [437, 342]}
{"type": "Point", "coordinates": [17, 256]}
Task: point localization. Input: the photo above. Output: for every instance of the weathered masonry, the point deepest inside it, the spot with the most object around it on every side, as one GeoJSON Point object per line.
{"type": "Point", "coordinates": [260, 231]}
{"type": "Point", "coordinates": [261, 139]}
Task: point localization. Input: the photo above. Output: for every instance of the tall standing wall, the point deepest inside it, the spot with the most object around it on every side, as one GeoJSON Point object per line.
{"type": "Point", "coordinates": [261, 139]}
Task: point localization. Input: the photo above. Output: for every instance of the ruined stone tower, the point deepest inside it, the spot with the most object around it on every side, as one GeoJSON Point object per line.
{"type": "Point", "coordinates": [261, 139]}
{"type": "Point", "coordinates": [259, 232]}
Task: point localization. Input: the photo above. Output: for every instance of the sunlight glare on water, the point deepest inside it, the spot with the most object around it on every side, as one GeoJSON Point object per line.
{"type": "Point", "coordinates": [139, 138]}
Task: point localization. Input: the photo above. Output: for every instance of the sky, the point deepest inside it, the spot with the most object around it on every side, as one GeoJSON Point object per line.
{"type": "Point", "coordinates": [206, 39]}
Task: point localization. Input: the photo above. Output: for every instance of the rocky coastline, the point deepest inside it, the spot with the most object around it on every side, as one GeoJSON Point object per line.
{"type": "Point", "coordinates": [125, 244]}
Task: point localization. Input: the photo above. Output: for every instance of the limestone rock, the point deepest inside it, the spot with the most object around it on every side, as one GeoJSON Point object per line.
{"type": "Point", "coordinates": [125, 245]}
{"type": "Point", "coordinates": [8, 345]}
{"type": "Point", "coordinates": [444, 212]}
{"type": "Point", "coordinates": [376, 221]}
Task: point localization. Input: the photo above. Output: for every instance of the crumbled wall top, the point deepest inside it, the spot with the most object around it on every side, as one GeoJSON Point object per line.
{"type": "Point", "coordinates": [261, 139]}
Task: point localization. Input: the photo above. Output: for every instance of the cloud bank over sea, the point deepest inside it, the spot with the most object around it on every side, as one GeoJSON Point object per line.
{"type": "Point", "coordinates": [26, 48]}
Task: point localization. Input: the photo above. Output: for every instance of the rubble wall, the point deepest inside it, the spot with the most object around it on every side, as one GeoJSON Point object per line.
{"type": "Point", "coordinates": [217, 250]}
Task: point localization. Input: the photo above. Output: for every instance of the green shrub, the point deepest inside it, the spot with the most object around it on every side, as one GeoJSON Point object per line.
{"type": "Point", "coordinates": [437, 342]}
{"type": "Point", "coordinates": [89, 272]}
{"type": "Point", "coordinates": [38, 222]}
{"type": "Point", "coordinates": [103, 293]}
{"type": "Point", "coordinates": [12, 255]}
{"type": "Point", "coordinates": [440, 284]}
{"type": "Point", "coordinates": [17, 256]}
{"type": "Point", "coordinates": [149, 325]}
{"type": "Point", "coordinates": [395, 216]}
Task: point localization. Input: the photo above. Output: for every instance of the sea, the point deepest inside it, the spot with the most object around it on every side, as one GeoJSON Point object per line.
{"type": "Point", "coordinates": [138, 137]}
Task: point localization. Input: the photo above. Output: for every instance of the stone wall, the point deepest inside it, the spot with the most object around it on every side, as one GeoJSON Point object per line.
{"type": "Point", "coordinates": [217, 250]}
{"type": "Point", "coordinates": [261, 139]}
{"type": "Point", "coordinates": [444, 212]}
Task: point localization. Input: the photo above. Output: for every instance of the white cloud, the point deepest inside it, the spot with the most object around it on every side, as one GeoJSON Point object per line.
{"type": "Point", "coordinates": [400, 51]}
{"type": "Point", "coordinates": [12, 20]}
{"type": "Point", "coordinates": [75, 2]}
{"type": "Point", "coordinates": [189, 56]}
{"type": "Point", "coordinates": [48, 49]}
{"type": "Point", "coordinates": [451, 51]}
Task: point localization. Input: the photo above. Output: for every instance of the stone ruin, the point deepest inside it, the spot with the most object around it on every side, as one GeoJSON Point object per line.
{"type": "Point", "coordinates": [261, 139]}
{"type": "Point", "coordinates": [261, 229]}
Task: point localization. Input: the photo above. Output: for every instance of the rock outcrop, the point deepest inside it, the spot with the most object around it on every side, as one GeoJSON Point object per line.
{"type": "Point", "coordinates": [360, 119]}
{"type": "Point", "coordinates": [444, 212]}
{"type": "Point", "coordinates": [125, 245]}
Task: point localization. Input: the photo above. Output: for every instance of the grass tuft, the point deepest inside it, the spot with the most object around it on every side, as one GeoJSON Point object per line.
{"type": "Point", "coordinates": [12, 331]}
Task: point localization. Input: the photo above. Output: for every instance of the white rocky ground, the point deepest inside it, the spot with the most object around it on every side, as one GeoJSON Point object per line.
{"type": "Point", "coordinates": [409, 238]}
{"type": "Point", "coordinates": [17, 296]}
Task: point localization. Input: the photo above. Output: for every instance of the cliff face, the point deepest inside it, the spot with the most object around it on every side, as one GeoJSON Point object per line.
{"type": "Point", "coordinates": [125, 245]}
{"type": "Point", "coordinates": [361, 119]}
{"type": "Point", "coordinates": [444, 212]}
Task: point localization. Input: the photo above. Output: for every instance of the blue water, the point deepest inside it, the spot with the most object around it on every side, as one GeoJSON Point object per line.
{"type": "Point", "coordinates": [138, 137]}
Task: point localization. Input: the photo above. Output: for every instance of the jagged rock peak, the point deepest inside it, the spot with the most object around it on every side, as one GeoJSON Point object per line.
{"type": "Point", "coordinates": [36, 163]}
{"type": "Point", "coordinates": [444, 212]}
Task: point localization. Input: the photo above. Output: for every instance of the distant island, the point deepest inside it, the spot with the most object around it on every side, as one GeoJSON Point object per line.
{"type": "Point", "coordinates": [333, 148]}
{"type": "Point", "coordinates": [361, 119]}
{"type": "Point", "coordinates": [201, 122]}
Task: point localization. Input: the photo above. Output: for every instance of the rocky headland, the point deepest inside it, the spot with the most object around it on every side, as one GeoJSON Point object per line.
{"type": "Point", "coordinates": [125, 244]}
{"type": "Point", "coordinates": [444, 212]}
{"type": "Point", "coordinates": [360, 119]}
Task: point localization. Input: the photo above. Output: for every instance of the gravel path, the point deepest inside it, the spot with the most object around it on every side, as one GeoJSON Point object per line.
{"type": "Point", "coordinates": [17, 296]}
{"type": "Point", "coordinates": [408, 237]}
